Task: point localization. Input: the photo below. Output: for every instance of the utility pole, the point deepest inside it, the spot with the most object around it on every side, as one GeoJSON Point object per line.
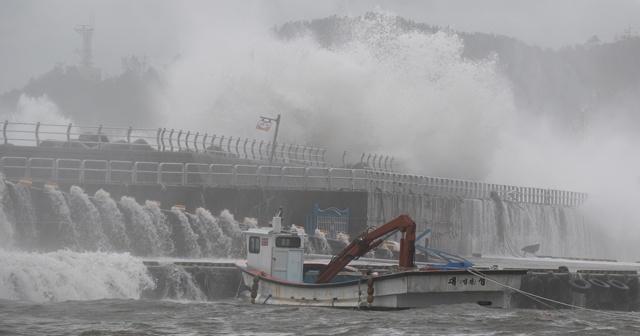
{"type": "Point", "coordinates": [629, 31]}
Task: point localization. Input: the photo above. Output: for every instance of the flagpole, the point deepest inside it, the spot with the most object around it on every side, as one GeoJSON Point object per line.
{"type": "Point", "coordinates": [265, 127]}
{"type": "Point", "coordinates": [275, 137]}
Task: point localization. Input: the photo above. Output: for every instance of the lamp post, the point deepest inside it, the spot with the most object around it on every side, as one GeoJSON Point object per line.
{"type": "Point", "coordinates": [275, 136]}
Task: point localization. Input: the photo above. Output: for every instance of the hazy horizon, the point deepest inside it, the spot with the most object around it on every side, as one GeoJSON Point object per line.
{"type": "Point", "coordinates": [37, 35]}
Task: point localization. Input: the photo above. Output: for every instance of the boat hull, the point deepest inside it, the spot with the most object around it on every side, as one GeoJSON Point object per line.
{"type": "Point", "coordinates": [399, 290]}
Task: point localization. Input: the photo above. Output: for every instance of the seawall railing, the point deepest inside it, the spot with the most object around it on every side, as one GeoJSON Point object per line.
{"type": "Point", "coordinates": [257, 176]}
{"type": "Point", "coordinates": [160, 139]}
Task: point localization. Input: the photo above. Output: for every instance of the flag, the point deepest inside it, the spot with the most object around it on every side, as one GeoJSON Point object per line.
{"type": "Point", "coordinates": [264, 124]}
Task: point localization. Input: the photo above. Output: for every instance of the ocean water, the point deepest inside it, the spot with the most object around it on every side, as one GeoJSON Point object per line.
{"type": "Point", "coordinates": [236, 317]}
{"type": "Point", "coordinates": [97, 293]}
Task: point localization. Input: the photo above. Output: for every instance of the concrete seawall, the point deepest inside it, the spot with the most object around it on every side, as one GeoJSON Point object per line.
{"type": "Point", "coordinates": [463, 215]}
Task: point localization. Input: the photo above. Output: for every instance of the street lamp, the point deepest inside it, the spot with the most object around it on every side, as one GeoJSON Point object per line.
{"type": "Point", "coordinates": [275, 136]}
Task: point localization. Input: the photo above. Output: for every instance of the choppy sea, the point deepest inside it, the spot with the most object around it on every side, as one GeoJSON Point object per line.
{"type": "Point", "coordinates": [234, 317]}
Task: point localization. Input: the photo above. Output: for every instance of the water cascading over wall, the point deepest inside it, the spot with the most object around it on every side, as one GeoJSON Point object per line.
{"type": "Point", "coordinates": [505, 228]}
{"type": "Point", "coordinates": [47, 220]}
{"type": "Point", "coordinates": [57, 245]}
{"type": "Point", "coordinates": [490, 226]}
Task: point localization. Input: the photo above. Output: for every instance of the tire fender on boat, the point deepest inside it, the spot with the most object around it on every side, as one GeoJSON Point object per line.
{"type": "Point", "coordinates": [535, 286]}
{"type": "Point", "coordinates": [599, 284]}
{"type": "Point", "coordinates": [370, 291]}
{"type": "Point", "coordinates": [618, 285]}
{"type": "Point", "coordinates": [254, 288]}
{"type": "Point", "coordinates": [553, 288]}
{"type": "Point", "coordinates": [579, 285]}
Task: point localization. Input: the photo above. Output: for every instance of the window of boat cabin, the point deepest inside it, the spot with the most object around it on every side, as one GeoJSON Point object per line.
{"type": "Point", "coordinates": [254, 244]}
{"type": "Point", "coordinates": [288, 242]}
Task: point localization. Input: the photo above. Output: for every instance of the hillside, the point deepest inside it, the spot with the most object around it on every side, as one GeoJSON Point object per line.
{"type": "Point", "coordinates": [567, 84]}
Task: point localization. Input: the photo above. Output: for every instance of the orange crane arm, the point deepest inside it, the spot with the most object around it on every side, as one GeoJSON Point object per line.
{"type": "Point", "coordinates": [366, 242]}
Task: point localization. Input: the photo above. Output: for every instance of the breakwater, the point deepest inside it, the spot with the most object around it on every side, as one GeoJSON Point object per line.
{"type": "Point", "coordinates": [462, 219]}
{"type": "Point", "coordinates": [180, 205]}
{"type": "Point", "coordinates": [466, 217]}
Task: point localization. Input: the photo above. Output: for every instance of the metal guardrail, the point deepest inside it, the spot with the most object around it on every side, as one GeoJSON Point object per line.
{"type": "Point", "coordinates": [161, 139]}
{"type": "Point", "coordinates": [253, 176]}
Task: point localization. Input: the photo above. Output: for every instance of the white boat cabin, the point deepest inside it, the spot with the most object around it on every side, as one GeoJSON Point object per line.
{"type": "Point", "coordinates": [278, 253]}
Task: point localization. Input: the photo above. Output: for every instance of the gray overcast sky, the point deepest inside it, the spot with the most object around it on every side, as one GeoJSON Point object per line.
{"type": "Point", "coordinates": [36, 35]}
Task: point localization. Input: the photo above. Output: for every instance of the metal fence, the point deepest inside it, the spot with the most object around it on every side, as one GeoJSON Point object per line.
{"type": "Point", "coordinates": [252, 176]}
{"type": "Point", "coordinates": [331, 221]}
{"type": "Point", "coordinates": [161, 139]}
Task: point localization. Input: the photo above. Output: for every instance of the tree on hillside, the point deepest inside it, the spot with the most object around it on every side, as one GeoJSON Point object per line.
{"type": "Point", "coordinates": [121, 100]}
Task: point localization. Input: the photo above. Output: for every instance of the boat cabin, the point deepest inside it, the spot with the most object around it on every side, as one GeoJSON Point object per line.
{"type": "Point", "coordinates": [278, 253]}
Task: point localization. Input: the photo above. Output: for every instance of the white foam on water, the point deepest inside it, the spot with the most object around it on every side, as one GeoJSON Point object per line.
{"type": "Point", "coordinates": [66, 275]}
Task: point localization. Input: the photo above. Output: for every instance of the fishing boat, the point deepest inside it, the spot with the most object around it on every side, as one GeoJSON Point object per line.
{"type": "Point", "coordinates": [275, 272]}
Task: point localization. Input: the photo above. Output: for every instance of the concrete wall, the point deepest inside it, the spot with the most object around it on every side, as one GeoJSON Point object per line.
{"type": "Point", "coordinates": [260, 203]}
{"type": "Point", "coordinates": [460, 224]}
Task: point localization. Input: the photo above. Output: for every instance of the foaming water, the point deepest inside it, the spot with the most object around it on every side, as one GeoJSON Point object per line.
{"type": "Point", "coordinates": [180, 285]}
{"type": "Point", "coordinates": [191, 247]}
{"type": "Point", "coordinates": [231, 229]}
{"type": "Point", "coordinates": [215, 241]}
{"type": "Point", "coordinates": [57, 230]}
{"type": "Point", "coordinates": [48, 220]}
{"type": "Point", "coordinates": [66, 275]}
{"type": "Point", "coordinates": [112, 317]}
{"type": "Point", "coordinates": [318, 245]}
{"type": "Point", "coordinates": [7, 231]}
{"type": "Point", "coordinates": [504, 228]}
{"type": "Point", "coordinates": [86, 219]}
{"type": "Point", "coordinates": [410, 95]}
{"type": "Point", "coordinates": [69, 246]}
{"type": "Point", "coordinates": [112, 220]}
{"type": "Point", "coordinates": [163, 227]}
{"type": "Point", "coordinates": [141, 228]}
{"type": "Point", "coordinates": [17, 201]}
{"type": "Point", "coordinates": [404, 87]}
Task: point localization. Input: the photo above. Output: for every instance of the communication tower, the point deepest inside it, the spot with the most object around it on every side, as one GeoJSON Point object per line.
{"type": "Point", "coordinates": [86, 31]}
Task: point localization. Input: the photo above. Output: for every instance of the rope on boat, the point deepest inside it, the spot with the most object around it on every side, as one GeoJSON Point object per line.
{"type": "Point", "coordinates": [539, 298]}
